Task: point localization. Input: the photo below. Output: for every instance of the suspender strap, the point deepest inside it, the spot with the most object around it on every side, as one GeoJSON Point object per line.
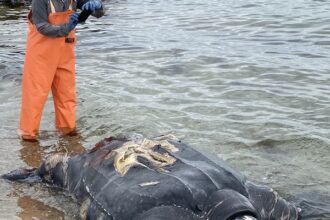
{"type": "Point", "coordinates": [70, 6]}
{"type": "Point", "coordinates": [52, 7]}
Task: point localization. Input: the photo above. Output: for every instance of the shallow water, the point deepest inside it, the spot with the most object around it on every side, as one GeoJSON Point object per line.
{"type": "Point", "coordinates": [246, 80]}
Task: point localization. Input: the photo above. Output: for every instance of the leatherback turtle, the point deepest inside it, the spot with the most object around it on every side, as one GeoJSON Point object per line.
{"type": "Point", "coordinates": [156, 179]}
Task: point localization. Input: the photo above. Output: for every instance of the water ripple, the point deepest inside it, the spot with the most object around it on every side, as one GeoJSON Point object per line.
{"type": "Point", "coordinates": [247, 80]}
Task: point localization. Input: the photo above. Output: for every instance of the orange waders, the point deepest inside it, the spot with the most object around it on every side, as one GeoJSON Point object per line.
{"type": "Point", "coordinates": [49, 64]}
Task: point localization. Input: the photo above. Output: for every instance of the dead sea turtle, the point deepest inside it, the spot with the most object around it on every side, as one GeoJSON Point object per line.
{"type": "Point", "coordinates": [156, 179]}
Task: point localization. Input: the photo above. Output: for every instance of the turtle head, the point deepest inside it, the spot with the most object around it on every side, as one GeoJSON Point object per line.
{"type": "Point", "coordinates": [54, 169]}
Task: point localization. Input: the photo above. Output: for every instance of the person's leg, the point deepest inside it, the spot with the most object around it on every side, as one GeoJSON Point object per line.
{"type": "Point", "coordinates": [64, 95]}
{"type": "Point", "coordinates": [37, 81]}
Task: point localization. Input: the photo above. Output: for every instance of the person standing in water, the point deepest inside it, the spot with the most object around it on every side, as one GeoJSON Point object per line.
{"type": "Point", "coordinates": [50, 64]}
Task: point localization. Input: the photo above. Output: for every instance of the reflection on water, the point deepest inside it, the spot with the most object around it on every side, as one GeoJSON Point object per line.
{"type": "Point", "coordinates": [38, 202]}
{"type": "Point", "coordinates": [15, 13]}
{"type": "Point", "coordinates": [246, 80]}
{"type": "Point", "coordinates": [32, 153]}
{"type": "Point", "coordinates": [34, 209]}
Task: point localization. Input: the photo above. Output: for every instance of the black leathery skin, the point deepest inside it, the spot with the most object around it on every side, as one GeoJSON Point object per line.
{"type": "Point", "coordinates": [167, 213]}
{"type": "Point", "coordinates": [190, 188]}
{"type": "Point", "coordinates": [225, 204]}
{"type": "Point", "coordinates": [94, 212]}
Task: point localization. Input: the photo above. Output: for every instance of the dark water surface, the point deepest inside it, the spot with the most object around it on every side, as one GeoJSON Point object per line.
{"type": "Point", "coordinates": [246, 80]}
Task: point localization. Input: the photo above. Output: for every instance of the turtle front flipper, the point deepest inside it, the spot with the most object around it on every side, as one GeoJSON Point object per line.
{"type": "Point", "coordinates": [24, 175]}
{"type": "Point", "coordinates": [52, 170]}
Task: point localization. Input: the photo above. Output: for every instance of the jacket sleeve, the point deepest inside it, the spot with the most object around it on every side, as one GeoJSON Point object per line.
{"type": "Point", "coordinates": [98, 13]}
{"type": "Point", "coordinates": [40, 20]}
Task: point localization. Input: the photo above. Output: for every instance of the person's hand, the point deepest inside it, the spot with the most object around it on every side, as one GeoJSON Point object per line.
{"type": "Point", "coordinates": [92, 5]}
{"type": "Point", "coordinates": [73, 21]}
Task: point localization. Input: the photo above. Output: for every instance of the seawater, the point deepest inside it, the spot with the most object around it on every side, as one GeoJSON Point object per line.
{"type": "Point", "coordinates": [245, 80]}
